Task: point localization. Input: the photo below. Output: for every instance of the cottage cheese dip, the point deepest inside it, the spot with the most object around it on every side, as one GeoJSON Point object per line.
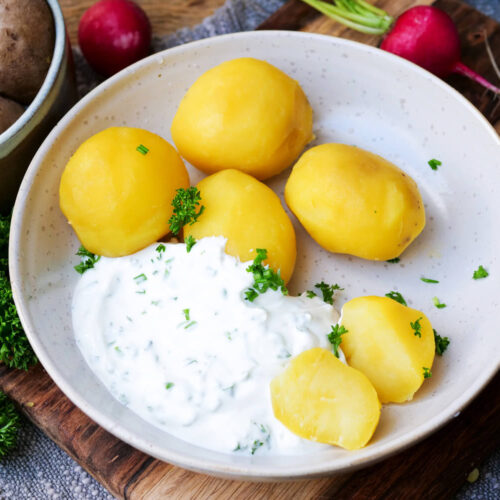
{"type": "Point", "coordinates": [171, 335]}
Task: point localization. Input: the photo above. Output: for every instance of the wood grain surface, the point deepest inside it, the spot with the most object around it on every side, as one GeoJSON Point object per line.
{"type": "Point", "coordinates": [433, 469]}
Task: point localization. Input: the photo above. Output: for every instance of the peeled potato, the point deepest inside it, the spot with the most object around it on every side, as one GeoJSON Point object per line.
{"type": "Point", "coordinates": [320, 398]}
{"type": "Point", "coordinates": [243, 114]}
{"type": "Point", "coordinates": [249, 215]}
{"type": "Point", "coordinates": [382, 344]}
{"type": "Point", "coordinates": [355, 202]}
{"type": "Point", "coordinates": [117, 199]}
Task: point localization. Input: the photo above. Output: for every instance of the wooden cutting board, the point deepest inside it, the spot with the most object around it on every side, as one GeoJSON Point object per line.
{"type": "Point", "coordinates": [432, 469]}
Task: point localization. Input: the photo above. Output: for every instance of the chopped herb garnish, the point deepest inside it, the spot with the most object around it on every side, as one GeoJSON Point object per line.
{"type": "Point", "coordinates": [428, 280]}
{"type": "Point", "coordinates": [185, 204]}
{"type": "Point", "coordinates": [394, 261]}
{"type": "Point", "coordinates": [141, 278]}
{"type": "Point", "coordinates": [88, 260]}
{"type": "Point", "coordinates": [310, 294]}
{"type": "Point", "coordinates": [327, 291]}
{"type": "Point", "coordinates": [142, 149]}
{"type": "Point", "coordinates": [190, 243]}
{"type": "Point", "coordinates": [434, 164]}
{"type": "Point", "coordinates": [9, 424]}
{"type": "Point", "coordinates": [416, 327]}
{"type": "Point", "coordinates": [264, 278]}
{"type": "Point", "coordinates": [256, 445]}
{"type": "Point", "coordinates": [160, 248]}
{"type": "Point", "coordinates": [397, 297]}
{"type": "Point", "coordinates": [442, 343]}
{"type": "Point", "coordinates": [480, 273]}
{"type": "Point", "coordinates": [169, 385]}
{"type": "Point", "coordinates": [186, 314]}
{"type": "Point", "coordinates": [141, 292]}
{"type": "Point", "coordinates": [427, 372]}
{"type": "Point", "coordinates": [189, 325]}
{"type": "Point", "coordinates": [117, 349]}
{"type": "Point", "coordinates": [438, 303]}
{"type": "Point", "coordinates": [335, 337]}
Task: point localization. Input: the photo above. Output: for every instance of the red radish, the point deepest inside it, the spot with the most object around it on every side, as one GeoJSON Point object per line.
{"type": "Point", "coordinates": [428, 37]}
{"type": "Point", "coordinates": [113, 34]}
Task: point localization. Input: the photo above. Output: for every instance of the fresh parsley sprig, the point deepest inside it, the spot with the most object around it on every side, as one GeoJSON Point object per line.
{"type": "Point", "coordinates": [190, 243]}
{"type": "Point", "coordinates": [442, 343]}
{"type": "Point", "coordinates": [264, 277]}
{"type": "Point", "coordinates": [88, 260]}
{"type": "Point", "coordinates": [187, 208]}
{"type": "Point", "coordinates": [427, 372]}
{"type": "Point", "coordinates": [480, 273]}
{"type": "Point", "coordinates": [9, 425]}
{"type": "Point", "coordinates": [326, 290]}
{"type": "Point", "coordinates": [335, 337]}
{"type": "Point", "coordinates": [416, 327]}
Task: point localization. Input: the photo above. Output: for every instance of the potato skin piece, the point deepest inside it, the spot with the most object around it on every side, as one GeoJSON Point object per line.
{"type": "Point", "coordinates": [381, 343]}
{"type": "Point", "coordinates": [355, 202]}
{"type": "Point", "coordinates": [10, 111]}
{"type": "Point", "coordinates": [250, 215]}
{"type": "Point", "coordinates": [243, 114]}
{"type": "Point", "coordinates": [118, 200]}
{"type": "Point", "coordinates": [27, 40]}
{"type": "Point", "coordinates": [320, 398]}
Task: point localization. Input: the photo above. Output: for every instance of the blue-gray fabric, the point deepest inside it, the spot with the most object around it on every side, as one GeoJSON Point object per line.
{"type": "Point", "coordinates": [38, 469]}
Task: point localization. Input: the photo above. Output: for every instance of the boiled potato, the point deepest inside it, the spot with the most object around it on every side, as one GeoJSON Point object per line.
{"type": "Point", "coordinates": [243, 114]}
{"type": "Point", "coordinates": [10, 111]}
{"type": "Point", "coordinates": [382, 344]}
{"type": "Point", "coordinates": [355, 202]}
{"type": "Point", "coordinates": [249, 215]}
{"type": "Point", "coordinates": [26, 45]}
{"type": "Point", "coordinates": [117, 199]}
{"type": "Point", "coordinates": [320, 398]}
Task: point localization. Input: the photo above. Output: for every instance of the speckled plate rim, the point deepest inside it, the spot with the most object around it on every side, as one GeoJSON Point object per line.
{"type": "Point", "coordinates": [254, 471]}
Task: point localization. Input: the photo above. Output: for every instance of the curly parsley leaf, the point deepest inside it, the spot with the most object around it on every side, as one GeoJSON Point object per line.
{"type": "Point", "coordinates": [397, 297]}
{"type": "Point", "coordinates": [434, 164]}
{"type": "Point", "coordinates": [9, 425]}
{"type": "Point", "coordinates": [335, 337]}
{"type": "Point", "coordinates": [327, 291]}
{"type": "Point", "coordinates": [416, 327]}
{"type": "Point", "coordinates": [187, 208]}
{"type": "Point", "coordinates": [480, 273]}
{"type": "Point", "coordinates": [442, 343]}
{"type": "Point", "coordinates": [88, 260]}
{"type": "Point", "coordinates": [310, 294]}
{"type": "Point", "coordinates": [264, 278]}
{"type": "Point", "coordinates": [427, 372]}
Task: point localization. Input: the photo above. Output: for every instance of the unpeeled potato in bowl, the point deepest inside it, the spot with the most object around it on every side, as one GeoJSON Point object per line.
{"type": "Point", "coordinates": [250, 215]}
{"type": "Point", "coordinates": [116, 190]}
{"type": "Point", "coordinates": [243, 114]}
{"type": "Point", "coordinates": [355, 202]}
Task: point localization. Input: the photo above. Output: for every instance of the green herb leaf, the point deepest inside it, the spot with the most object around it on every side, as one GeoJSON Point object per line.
{"type": "Point", "coordinates": [169, 385]}
{"type": "Point", "coordinates": [9, 423]}
{"type": "Point", "coordinates": [480, 273]}
{"type": "Point", "coordinates": [442, 343]}
{"type": "Point", "coordinates": [335, 337]}
{"type": "Point", "coordinates": [310, 294]}
{"type": "Point", "coordinates": [141, 278]}
{"type": "Point", "coordinates": [185, 203]}
{"type": "Point", "coordinates": [427, 372]}
{"type": "Point", "coordinates": [434, 164]}
{"type": "Point", "coordinates": [142, 149]}
{"type": "Point", "coordinates": [186, 314]}
{"type": "Point", "coordinates": [428, 280]}
{"type": "Point", "coordinates": [88, 260]}
{"type": "Point", "coordinates": [160, 248]}
{"type": "Point", "coordinates": [438, 303]}
{"type": "Point", "coordinates": [190, 243]}
{"type": "Point", "coordinates": [397, 297]}
{"type": "Point", "coordinates": [189, 325]}
{"type": "Point", "coordinates": [264, 278]}
{"type": "Point", "coordinates": [393, 261]}
{"type": "Point", "coordinates": [327, 291]}
{"type": "Point", "coordinates": [416, 327]}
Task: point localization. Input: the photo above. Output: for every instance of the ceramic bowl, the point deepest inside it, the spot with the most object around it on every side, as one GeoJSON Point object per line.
{"type": "Point", "coordinates": [57, 94]}
{"type": "Point", "coordinates": [360, 95]}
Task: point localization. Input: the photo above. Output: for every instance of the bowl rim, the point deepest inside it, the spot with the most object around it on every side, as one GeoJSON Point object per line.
{"type": "Point", "coordinates": [251, 471]}
{"type": "Point", "coordinates": [11, 137]}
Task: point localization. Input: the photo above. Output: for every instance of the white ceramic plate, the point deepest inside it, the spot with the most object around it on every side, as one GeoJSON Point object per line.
{"type": "Point", "coordinates": [362, 96]}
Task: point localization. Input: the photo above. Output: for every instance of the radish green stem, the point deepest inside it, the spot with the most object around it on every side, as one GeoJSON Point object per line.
{"type": "Point", "coordinates": [462, 69]}
{"type": "Point", "coordinates": [356, 14]}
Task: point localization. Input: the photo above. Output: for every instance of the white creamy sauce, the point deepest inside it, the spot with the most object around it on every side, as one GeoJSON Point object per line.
{"type": "Point", "coordinates": [171, 335]}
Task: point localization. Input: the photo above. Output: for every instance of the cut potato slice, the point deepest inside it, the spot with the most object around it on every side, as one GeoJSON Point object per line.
{"type": "Point", "coordinates": [382, 343]}
{"type": "Point", "coordinates": [320, 398]}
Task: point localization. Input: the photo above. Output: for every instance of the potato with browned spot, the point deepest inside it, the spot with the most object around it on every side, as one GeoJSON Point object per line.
{"type": "Point", "coordinates": [250, 215]}
{"type": "Point", "coordinates": [390, 343]}
{"type": "Point", "coordinates": [355, 202]}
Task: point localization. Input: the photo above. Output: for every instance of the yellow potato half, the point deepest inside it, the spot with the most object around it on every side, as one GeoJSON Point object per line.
{"type": "Point", "coordinates": [355, 202]}
{"type": "Point", "coordinates": [320, 398]}
{"type": "Point", "coordinates": [249, 215]}
{"type": "Point", "coordinates": [244, 114]}
{"type": "Point", "coordinates": [382, 344]}
{"type": "Point", "coordinates": [117, 199]}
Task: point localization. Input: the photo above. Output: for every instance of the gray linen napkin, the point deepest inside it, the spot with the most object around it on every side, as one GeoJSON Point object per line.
{"type": "Point", "coordinates": [39, 469]}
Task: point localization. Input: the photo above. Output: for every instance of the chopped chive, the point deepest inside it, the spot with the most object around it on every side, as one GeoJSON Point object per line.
{"type": "Point", "coordinates": [428, 280]}
{"type": "Point", "coordinates": [140, 278]}
{"type": "Point", "coordinates": [427, 372]}
{"type": "Point", "coordinates": [142, 149]}
{"type": "Point", "coordinates": [189, 325]}
{"type": "Point", "coordinates": [169, 385]}
{"type": "Point", "coordinates": [186, 314]}
{"type": "Point", "coordinates": [397, 297]}
{"type": "Point", "coordinates": [393, 261]}
{"type": "Point", "coordinates": [438, 303]}
{"type": "Point", "coordinates": [434, 164]}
